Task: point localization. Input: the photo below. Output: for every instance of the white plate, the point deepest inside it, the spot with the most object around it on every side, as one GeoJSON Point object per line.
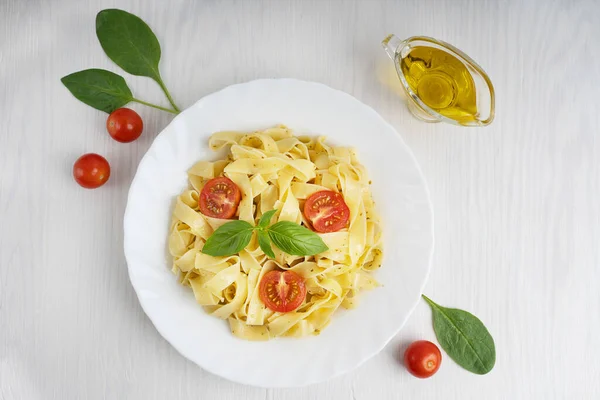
{"type": "Point", "coordinates": [353, 336]}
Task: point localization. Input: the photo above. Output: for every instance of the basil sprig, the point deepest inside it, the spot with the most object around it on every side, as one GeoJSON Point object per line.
{"type": "Point", "coordinates": [464, 337]}
{"type": "Point", "coordinates": [131, 44]}
{"type": "Point", "coordinates": [289, 237]}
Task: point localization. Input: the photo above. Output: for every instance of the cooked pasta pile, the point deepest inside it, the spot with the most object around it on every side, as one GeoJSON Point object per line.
{"type": "Point", "coordinates": [276, 170]}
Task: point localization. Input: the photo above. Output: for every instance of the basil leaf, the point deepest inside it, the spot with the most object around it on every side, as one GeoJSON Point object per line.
{"type": "Point", "coordinates": [129, 42]}
{"type": "Point", "coordinates": [464, 337]}
{"type": "Point", "coordinates": [101, 89]}
{"type": "Point", "coordinates": [265, 219]}
{"type": "Point", "coordinates": [295, 239]}
{"type": "Point", "coordinates": [228, 239]}
{"type": "Point", "coordinates": [265, 243]}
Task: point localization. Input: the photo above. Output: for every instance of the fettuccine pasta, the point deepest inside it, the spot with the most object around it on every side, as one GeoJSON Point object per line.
{"type": "Point", "coordinates": [276, 170]}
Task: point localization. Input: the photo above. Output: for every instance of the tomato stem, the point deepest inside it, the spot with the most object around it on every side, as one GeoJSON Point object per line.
{"type": "Point", "coordinates": [176, 111]}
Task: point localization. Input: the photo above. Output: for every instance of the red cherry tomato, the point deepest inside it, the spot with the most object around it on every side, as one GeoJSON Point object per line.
{"type": "Point", "coordinates": [282, 291]}
{"type": "Point", "coordinates": [220, 198]}
{"type": "Point", "coordinates": [124, 125]}
{"type": "Point", "coordinates": [327, 211]}
{"type": "Point", "coordinates": [422, 358]}
{"type": "Point", "coordinates": [91, 170]}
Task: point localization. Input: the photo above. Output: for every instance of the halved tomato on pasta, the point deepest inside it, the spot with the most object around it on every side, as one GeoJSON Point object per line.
{"type": "Point", "coordinates": [327, 211]}
{"type": "Point", "coordinates": [219, 198]}
{"type": "Point", "coordinates": [282, 291]}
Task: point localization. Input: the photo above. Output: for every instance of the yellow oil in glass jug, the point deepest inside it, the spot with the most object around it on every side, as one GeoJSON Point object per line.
{"type": "Point", "coordinates": [442, 83]}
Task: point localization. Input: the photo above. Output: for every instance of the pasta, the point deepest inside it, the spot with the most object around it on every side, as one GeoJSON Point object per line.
{"type": "Point", "coordinates": [276, 170]}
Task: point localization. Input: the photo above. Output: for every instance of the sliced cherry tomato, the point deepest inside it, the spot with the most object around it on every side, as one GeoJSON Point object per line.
{"type": "Point", "coordinates": [422, 358]}
{"type": "Point", "coordinates": [124, 125]}
{"type": "Point", "coordinates": [91, 170]}
{"type": "Point", "coordinates": [282, 291]}
{"type": "Point", "coordinates": [220, 198]}
{"type": "Point", "coordinates": [327, 211]}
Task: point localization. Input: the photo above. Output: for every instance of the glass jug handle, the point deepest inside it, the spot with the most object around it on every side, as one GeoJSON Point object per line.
{"type": "Point", "coordinates": [391, 44]}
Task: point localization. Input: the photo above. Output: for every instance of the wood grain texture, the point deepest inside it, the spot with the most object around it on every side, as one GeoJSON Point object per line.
{"type": "Point", "coordinates": [517, 205]}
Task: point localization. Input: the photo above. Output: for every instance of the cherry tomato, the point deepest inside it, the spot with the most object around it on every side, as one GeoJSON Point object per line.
{"type": "Point", "coordinates": [327, 211]}
{"type": "Point", "coordinates": [124, 125]}
{"type": "Point", "coordinates": [91, 170]}
{"type": "Point", "coordinates": [282, 291]}
{"type": "Point", "coordinates": [422, 358]}
{"type": "Point", "coordinates": [220, 198]}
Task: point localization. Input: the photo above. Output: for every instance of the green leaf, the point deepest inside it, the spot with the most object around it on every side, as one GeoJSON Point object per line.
{"type": "Point", "coordinates": [265, 219]}
{"type": "Point", "coordinates": [101, 89]}
{"type": "Point", "coordinates": [129, 42]}
{"type": "Point", "coordinates": [229, 239]}
{"type": "Point", "coordinates": [464, 337]}
{"type": "Point", "coordinates": [295, 239]}
{"type": "Point", "coordinates": [265, 243]}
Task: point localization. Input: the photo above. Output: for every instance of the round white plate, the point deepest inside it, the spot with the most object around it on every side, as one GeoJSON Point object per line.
{"type": "Point", "coordinates": [400, 193]}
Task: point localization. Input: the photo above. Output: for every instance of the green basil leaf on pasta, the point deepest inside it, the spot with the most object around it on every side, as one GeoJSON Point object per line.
{"type": "Point", "coordinates": [265, 243]}
{"type": "Point", "coordinates": [98, 88]}
{"type": "Point", "coordinates": [464, 337]}
{"type": "Point", "coordinates": [265, 220]}
{"type": "Point", "coordinates": [295, 239]}
{"type": "Point", "coordinates": [229, 239]}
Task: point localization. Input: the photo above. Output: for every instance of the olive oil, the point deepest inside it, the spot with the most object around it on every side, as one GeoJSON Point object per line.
{"type": "Point", "coordinates": [441, 81]}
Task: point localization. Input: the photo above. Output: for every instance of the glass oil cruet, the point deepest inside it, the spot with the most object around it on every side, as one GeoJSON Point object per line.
{"type": "Point", "coordinates": [441, 82]}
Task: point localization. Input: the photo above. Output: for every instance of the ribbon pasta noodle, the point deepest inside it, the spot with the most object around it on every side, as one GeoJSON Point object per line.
{"type": "Point", "coordinates": [276, 170]}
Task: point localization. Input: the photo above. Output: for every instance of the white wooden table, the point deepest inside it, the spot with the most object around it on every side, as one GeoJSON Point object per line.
{"type": "Point", "coordinates": [517, 205]}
